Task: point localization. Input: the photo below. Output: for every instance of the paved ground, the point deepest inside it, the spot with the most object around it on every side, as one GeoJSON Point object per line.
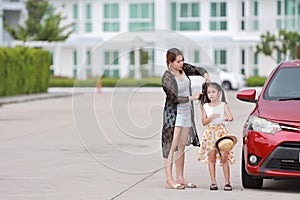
{"type": "Point", "coordinates": [105, 146]}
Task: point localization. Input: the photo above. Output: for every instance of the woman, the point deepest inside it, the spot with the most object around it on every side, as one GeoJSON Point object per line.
{"type": "Point", "coordinates": [179, 127]}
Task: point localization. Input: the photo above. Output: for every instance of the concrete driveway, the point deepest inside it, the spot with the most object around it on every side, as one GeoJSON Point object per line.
{"type": "Point", "coordinates": [107, 146]}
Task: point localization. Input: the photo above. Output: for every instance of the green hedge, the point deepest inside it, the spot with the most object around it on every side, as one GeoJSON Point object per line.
{"type": "Point", "coordinates": [105, 82]}
{"type": "Point", "coordinates": [23, 71]}
{"type": "Point", "coordinates": [256, 81]}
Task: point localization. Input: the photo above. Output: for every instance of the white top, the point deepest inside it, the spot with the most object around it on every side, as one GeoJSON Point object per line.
{"type": "Point", "coordinates": [183, 91]}
{"type": "Point", "coordinates": [219, 109]}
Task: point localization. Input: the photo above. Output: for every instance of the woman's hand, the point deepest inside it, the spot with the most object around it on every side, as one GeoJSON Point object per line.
{"type": "Point", "coordinates": [195, 96]}
{"type": "Point", "coordinates": [206, 77]}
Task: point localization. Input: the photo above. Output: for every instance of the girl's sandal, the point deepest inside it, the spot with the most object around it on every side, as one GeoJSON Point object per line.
{"type": "Point", "coordinates": [227, 187]}
{"type": "Point", "coordinates": [213, 187]}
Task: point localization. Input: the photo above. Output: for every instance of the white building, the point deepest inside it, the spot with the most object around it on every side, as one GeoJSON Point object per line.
{"type": "Point", "coordinates": [107, 38]}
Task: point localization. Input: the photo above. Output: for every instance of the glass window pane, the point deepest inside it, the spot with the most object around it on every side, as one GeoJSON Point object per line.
{"type": "Point", "coordinates": [213, 25]}
{"type": "Point", "coordinates": [184, 26]}
{"type": "Point", "coordinates": [115, 11]}
{"type": "Point", "coordinates": [195, 10]}
{"type": "Point", "coordinates": [213, 9]}
{"type": "Point", "coordinates": [133, 11]}
{"type": "Point", "coordinates": [75, 11]}
{"type": "Point", "coordinates": [115, 26]}
{"type": "Point", "coordinates": [289, 7]}
{"type": "Point", "coordinates": [278, 7]}
{"type": "Point", "coordinates": [173, 16]}
{"type": "Point", "coordinates": [116, 58]}
{"type": "Point", "coordinates": [106, 11]}
{"type": "Point", "coordinates": [222, 57]}
{"type": "Point", "coordinates": [196, 56]}
{"type": "Point", "coordinates": [106, 58]}
{"type": "Point", "coordinates": [145, 11]}
{"type": "Point", "coordinates": [184, 10]}
{"type": "Point", "coordinates": [255, 8]}
{"type": "Point", "coordinates": [75, 57]}
{"type": "Point", "coordinates": [216, 60]}
{"type": "Point", "coordinates": [115, 73]}
{"type": "Point", "coordinates": [88, 27]}
{"type": "Point", "coordinates": [223, 9]}
{"type": "Point", "coordinates": [105, 27]}
{"type": "Point", "coordinates": [88, 11]}
{"type": "Point", "coordinates": [223, 25]}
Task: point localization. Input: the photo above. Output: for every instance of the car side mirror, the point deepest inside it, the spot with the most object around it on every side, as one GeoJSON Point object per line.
{"type": "Point", "coordinates": [247, 95]}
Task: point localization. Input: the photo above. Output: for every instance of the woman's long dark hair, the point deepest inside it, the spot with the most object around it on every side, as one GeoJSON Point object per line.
{"type": "Point", "coordinates": [204, 97]}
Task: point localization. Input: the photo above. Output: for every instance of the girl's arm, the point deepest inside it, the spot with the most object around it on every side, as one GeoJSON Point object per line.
{"type": "Point", "coordinates": [229, 116]}
{"type": "Point", "coordinates": [205, 119]}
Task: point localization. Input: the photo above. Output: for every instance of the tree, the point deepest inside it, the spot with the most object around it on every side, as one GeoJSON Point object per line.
{"type": "Point", "coordinates": [286, 43]}
{"type": "Point", "coordinates": [42, 24]}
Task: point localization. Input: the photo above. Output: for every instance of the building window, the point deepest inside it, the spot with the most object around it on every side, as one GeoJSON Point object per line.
{"type": "Point", "coordinates": [196, 56]}
{"type": "Point", "coordinates": [288, 15]}
{"type": "Point", "coordinates": [111, 57]}
{"type": "Point", "coordinates": [141, 16]}
{"type": "Point", "coordinates": [218, 14]}
{"type": "Point", "coordinates": [75, 17]}
{"type": "Point", "coordinates": [111, 60]}
{"type": "Point", "coordinates": [75, 58]}
{"type": "Point", "coordinates": [185, 16]}
{"type": "Point", "coordinates": [88, 15]}
{"type": "Point", "coordinates": [88, 58]}
{"type": "Point", "coordinates": [255, 24]}
{"type": "Point", "coordinates": [220, 57]}
{"type": "Point", "coordinates": [111, 18]}
{"type": "Point", "coordinates": [243, 16]}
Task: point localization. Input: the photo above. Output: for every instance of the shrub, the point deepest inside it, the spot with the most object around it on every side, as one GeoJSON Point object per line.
{"type": "Point", "coordinates": [256, 81]}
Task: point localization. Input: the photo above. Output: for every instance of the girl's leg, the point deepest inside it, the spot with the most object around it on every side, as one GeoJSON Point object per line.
{"type": "Point", "coordinates": [180, 156]}
{"type": "Point", "coordinates": [226, 169]}
{"type": "Point", "coordinates": [212, 166]}
{"type": "Point", "coordinates": [169, 161]}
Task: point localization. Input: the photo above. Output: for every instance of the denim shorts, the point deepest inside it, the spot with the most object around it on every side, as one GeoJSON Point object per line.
{"type": "Point", "coordinates": [183, 120]}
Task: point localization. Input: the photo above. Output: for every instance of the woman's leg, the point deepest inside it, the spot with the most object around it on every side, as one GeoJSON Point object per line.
{"type": "Point", "coordinates": [169, 161]}
{"type": "Point", "coordinates": [180, 155]}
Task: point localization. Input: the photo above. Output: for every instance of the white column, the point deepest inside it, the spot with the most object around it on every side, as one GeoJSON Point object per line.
{"type": "Point", "coordinates": [81, 73]}
{"type": "Point", "coordinates": [56, 60]}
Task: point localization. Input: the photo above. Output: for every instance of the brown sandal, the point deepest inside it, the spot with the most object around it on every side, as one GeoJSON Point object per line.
{"type": "Point", "coordinates": [213, 187]}
{"type": "Point", "coordinates": [227, 187]}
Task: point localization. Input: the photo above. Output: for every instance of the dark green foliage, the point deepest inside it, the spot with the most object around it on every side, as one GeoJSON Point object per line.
{"type": "Point", "coordinates": [256, 81]}
{"type": "Point", "coordinates": [23, 71]}
{"type": "Point", "coordinates": [42, 24]}
{"type": "Point", "coordinates": [286, 43]}
{"type": "Point", "coordinates": [105, 82]}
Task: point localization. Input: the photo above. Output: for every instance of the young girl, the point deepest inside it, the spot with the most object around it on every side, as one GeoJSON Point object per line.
{"type": "Point", "coordinates": [214, 113]}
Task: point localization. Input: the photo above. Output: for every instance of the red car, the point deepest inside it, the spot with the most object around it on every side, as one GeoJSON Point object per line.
{"type": "Point", "coordinates": [271, 135]}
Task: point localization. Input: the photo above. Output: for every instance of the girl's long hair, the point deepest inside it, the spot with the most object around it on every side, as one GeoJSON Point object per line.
{"type": "Point", "coordinates": [204, 97]}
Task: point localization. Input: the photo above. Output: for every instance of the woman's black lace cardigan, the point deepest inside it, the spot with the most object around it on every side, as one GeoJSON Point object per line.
{"type": "Point", "coordinates": [170, 87]}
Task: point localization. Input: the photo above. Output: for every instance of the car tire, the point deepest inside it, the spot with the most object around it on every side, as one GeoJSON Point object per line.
{"type": "Point", "coordinates": [249, 181]}
{"type": "Point", "coordinates": [226, 85]}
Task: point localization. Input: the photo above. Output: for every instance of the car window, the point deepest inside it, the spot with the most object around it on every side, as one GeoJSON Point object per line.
{"type": "Point", "coordinates": [284, 84]}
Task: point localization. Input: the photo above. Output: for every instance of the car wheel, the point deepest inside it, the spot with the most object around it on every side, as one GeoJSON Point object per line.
{"type": "Point", "coordinates": [226, 85]}
{"type": "Point", "coordinates": [249, 181]}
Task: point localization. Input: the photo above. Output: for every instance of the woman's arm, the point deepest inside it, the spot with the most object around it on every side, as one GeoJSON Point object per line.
{"type": "Point", "coordinates": [193, 70]}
